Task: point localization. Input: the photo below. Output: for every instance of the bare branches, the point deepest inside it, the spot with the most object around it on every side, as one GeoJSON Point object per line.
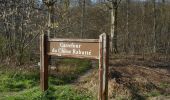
{"type": "Point", "coordinates": [111, 4]}
{"type": "Point", "coordinates": [49, 3]}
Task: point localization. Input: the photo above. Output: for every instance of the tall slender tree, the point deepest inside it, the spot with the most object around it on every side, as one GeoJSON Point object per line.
{"type": "Point", "coordinates": [83, 4]}
{"type": "Point", "coordinates": [154, 26]}
{"type": "Point", "coordinates": [114, 15]}
{"type": "Point", "coordinates": [127, 43]}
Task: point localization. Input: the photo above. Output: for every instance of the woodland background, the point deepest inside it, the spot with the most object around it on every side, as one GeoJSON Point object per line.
{"type": "Point", "coordinates": [135, 26]}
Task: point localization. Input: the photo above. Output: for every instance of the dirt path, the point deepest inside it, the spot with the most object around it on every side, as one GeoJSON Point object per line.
{"type": "Point", "coordinates": [87, 75]}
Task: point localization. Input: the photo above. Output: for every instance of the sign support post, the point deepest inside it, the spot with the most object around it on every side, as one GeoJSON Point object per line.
{"type": "Point", "coordinates": [100, 95]}
{"type": "Point", "coordinates": [43, 62]}
{"type": "Point", "coordinates": [103, 67]}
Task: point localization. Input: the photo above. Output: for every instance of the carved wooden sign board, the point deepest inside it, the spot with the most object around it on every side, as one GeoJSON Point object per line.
{"type": "Point", "coordinates": [76, 48]}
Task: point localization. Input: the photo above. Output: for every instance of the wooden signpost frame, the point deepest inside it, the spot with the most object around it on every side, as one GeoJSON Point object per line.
{"type": "Point", "coordinates": [103, 57]}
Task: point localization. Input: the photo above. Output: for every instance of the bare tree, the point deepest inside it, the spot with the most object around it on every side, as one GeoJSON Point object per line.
{"type": "Point", "coordinates": [154, 26]}
{"type": "Point", "coordinates": [114, 15]}
{"type": "Point", "coordinates": [50, 6]}
{"type": "Point", "coordinates": [127, 44]}
{"type": "Point", "coordinates": [83, 3]}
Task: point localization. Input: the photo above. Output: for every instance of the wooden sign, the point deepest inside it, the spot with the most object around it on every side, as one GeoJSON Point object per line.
{"type": "Point", "coordinates": [76, 48]}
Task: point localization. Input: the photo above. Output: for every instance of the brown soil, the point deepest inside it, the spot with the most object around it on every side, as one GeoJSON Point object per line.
{"type": "Point", "coordinates": [134, 79]}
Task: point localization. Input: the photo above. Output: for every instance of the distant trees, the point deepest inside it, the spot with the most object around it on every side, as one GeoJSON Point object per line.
{"type": "Point", "coordinates": [134, 26]}
{"type": "Point", "coordinates": [18, 28]}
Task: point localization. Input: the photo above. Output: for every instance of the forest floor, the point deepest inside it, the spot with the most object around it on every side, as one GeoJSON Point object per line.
{"type": "Point", "coordinates": [134, 78]}
{"type": "Point", "coordinates": [130, 78]}
{"type": "Point", "coordinates": [139, 78]}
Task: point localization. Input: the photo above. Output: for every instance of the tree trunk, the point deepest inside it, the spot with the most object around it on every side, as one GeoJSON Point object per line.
{"type": "Point", "coordinates": [154, 27]}
{"type": "Point", "coordinates": [127, 27]}
{"type": "Point", "coordinates": [49, 21]}
{"type": "Point", "coordinates": [82, 17]}
{"type": "Point", "coordinates": [113, 42]}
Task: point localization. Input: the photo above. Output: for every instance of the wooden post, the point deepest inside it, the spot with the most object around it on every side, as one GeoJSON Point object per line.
{"type": "Point", "coordinates": [100, 67]}
{"type": "Point", "coordinates": [43, 62]}
{"type": "Point", "coordinates": [103, 67]}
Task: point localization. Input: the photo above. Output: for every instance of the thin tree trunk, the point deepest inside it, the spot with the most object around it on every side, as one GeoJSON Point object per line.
{"type": "Point", "coordinates": [127, 27]}
{"type": "Point", "coordinates": [49, 23]}
{"type": "Point", "coordinates": [113, 43]}
{"type": "Point", "coordinates": [154, 27]}
{"type": "Point", "coordinates": [82, 17]}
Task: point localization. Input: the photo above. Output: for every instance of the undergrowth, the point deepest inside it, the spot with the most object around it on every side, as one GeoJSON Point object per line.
{"type": "Point", "coordinates": [23, 84]}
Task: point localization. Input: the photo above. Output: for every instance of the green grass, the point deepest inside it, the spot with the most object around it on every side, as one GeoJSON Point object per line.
{"type": "Point", "coordinates": [16, 84]}
{"type": "Point", "coordinates": [153, 94]}
{"type": "Point", "coordinates": [10, 81]}
{"type": "Point", "coordinates": [69, 70]}
{"type": "Point", "coordinates": [165, 85]}
{"type": "Point", "coordinates": [66, 92]}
